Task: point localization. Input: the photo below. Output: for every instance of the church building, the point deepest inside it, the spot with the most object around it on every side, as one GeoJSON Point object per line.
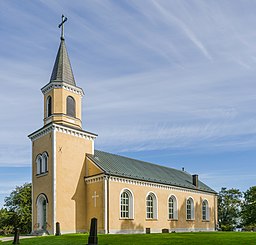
{"type": "Point", "coordinates": [72, 182]}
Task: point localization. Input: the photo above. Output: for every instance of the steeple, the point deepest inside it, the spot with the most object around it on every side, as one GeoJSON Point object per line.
{"type": "Point", "coordinates": [62, 71]}
{"type": "Point", "coordinates": [62, 98]}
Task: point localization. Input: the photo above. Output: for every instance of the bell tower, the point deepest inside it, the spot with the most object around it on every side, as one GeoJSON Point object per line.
{"type": "Point", "coordinates": [62, 98]}
{"type": "Point", "coordinates": [59, 149]}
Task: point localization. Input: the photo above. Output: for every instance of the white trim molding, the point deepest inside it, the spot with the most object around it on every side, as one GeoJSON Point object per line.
{"type": "Point", "coordinates": [63, 129]}
{"type": "Point", "coordinates": [63, 85]}
{"type": "Point", "coordinates": [155, 185]}
{"type": "Point", "coordinates": [97, 178]}
{"type": "Point", "coordinates": [105, 204]}
{"type": "Point", "coordinates": [54, 180]}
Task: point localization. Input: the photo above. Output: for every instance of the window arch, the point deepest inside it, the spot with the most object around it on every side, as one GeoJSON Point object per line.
{"type": "Point", "coordinates": [205, 210]}
{"type": "Point", "coordinates": [190, 209]}
{"type": "Point", "coordinates": [71, 106]}
{"type": "Point", "coordinates": [172, 207]}
{"type": "Point", "coordinates": [42, 163]}
{"type": "Point", "coordinates": [48, 106]}
{"type": "Point", "coordinates": [126, 204]}
{"type": "Point", "coordinates": [38, 164]}
{"type": "Point", "coordinates": [151, 206]}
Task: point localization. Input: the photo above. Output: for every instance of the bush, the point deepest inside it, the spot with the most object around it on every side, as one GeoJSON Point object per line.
{"type": "Point", "coordinates": [7, 230]}
{"type": "Point", "coordinates": [227, 227]}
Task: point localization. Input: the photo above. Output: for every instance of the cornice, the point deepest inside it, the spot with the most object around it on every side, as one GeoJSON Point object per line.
{"type": "Point", "coordinates": [59, 128]}
{"type": "Point", "coordinates": [59, 84]}
{"type": "Point", "coordinates": [99, 178]}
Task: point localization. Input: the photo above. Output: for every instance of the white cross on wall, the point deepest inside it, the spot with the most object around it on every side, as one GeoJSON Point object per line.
{"type": "Point", "coordinates": [95, 198]}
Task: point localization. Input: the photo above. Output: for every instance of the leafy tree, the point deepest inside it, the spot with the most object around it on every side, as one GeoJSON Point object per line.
{"type": "Point", "coordinates": [249, 207]}
{"type": "Point", "coordinates": [229, 206]}
{"type": "Point", "coordinates": [17, 211]}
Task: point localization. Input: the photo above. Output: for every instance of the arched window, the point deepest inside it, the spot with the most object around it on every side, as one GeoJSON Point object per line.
{"type": "Point", "coordinates": [190, 209]}
{"type": "Point", "coordinates": [205, 210]}
{"type": "Point", "coordinates": [126, 204]}
{"type": "Point", "coordinates": [172, 208]}
{"type": "Point", "coordinates": [71, 106]}
{"type": "Point", "coordinates": [44, 162]}
{"type": "Point", "coordinates": [151, 206]}
{"type": "Point", "coordinates": [49, 106]}
{"type": "Point", "coordinates": [38, 164]}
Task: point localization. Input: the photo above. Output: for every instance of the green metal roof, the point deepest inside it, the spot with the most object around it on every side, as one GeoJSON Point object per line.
{"type": "Point", "coordinates": [135, 169]}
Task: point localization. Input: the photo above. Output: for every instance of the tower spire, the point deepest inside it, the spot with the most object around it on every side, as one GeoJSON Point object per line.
{"type": "Point", "coordinates": [62, 71]}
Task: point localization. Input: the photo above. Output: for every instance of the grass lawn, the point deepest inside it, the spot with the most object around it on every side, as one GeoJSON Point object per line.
{"type": "Point", "coordinates": [156, 239]}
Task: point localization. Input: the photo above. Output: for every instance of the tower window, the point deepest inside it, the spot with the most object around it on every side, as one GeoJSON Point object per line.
{"type": "Point", "coordinates": [49, 106]}
{"type": "Point", "coordinates": [71, 106]}
{"type": "Point", "coordinates": [42, 163]}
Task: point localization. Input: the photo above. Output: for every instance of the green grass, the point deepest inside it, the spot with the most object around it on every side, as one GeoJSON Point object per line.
{"type": "Point", "coordinates": [159, 239]}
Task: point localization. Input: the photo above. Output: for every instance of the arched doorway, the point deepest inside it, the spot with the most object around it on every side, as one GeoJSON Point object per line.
{"type": "Point", "coordinates": [42, 203]}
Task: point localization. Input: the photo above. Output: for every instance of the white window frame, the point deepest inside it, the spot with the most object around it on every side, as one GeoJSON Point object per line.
{"type": "Point", "coordinates": [175, 207]}
{"type": "Point", "coordinates": [192, 208]}
{"type": "Point", "coordinates": [42, 163]}
{"type": "Point", "coordinates": [38, 164]}
{"type": "Point", "coordinates": [45, 162]}
{"type": "Point", "coordinates": [207, 216]}
{"type": "Point", "coordinates": [49, 98]}
{"type": "Point", "coordinates": [154, 208]}
{"type": "Point", "coordinates": [130, 204]}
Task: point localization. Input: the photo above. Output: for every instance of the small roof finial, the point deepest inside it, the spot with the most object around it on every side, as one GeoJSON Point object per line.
{"type": "Point", "coordinates": [61, 25]}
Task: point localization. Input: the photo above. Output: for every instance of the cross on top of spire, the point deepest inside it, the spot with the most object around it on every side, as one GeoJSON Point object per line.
{"type": "Point", "coordinates": [61, 25]}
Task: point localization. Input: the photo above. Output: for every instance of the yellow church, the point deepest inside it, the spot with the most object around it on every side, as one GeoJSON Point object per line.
{"type": "Point", "coordinates": [72, 182]}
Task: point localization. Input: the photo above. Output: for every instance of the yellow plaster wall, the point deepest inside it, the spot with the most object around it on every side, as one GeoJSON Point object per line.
{"type": "Point", "coordinates": [139, 223]}
{"type": "Point", "coordinates": [70, 184]}
{"type": "Point", "coordinates": [92, 211]}
{"type": "Point", "coordinates": [43, 183]}
{"type": "Point", "coordinates": [92, 169]}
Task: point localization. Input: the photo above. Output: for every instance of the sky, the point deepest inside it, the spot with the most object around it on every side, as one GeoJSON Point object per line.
{"type": "Point", "coordinates": [169, 82]}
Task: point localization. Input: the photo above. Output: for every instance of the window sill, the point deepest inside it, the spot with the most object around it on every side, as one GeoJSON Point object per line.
{"type": "Point", "coordinates": [205, 220]}
{"type": "Point", "coordinates": [151, 219]}
{"type": "Point", "coordinates": [42, 174]}
{"type": "Point", "coordinates": [172, 219]}
{"type": "Point", "coordinates": [190, 219]}
{"type": "Point", "coordinates": [126, 218]}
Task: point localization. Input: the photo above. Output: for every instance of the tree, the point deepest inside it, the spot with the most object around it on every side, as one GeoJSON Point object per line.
{"type": "Point", "coordinates": [229, 206]}
{"type": "Point", "coordinates": [17, 211]}
{"type": "Point", "coordinates": [249, 207]}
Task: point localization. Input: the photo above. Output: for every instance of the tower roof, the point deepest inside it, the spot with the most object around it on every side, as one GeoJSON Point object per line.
{"type": "Point", "coordinates": [62, 71]}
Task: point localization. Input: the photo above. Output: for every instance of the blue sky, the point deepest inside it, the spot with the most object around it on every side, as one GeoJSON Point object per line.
{"type": "Point", "coordinates": [170, 82]}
